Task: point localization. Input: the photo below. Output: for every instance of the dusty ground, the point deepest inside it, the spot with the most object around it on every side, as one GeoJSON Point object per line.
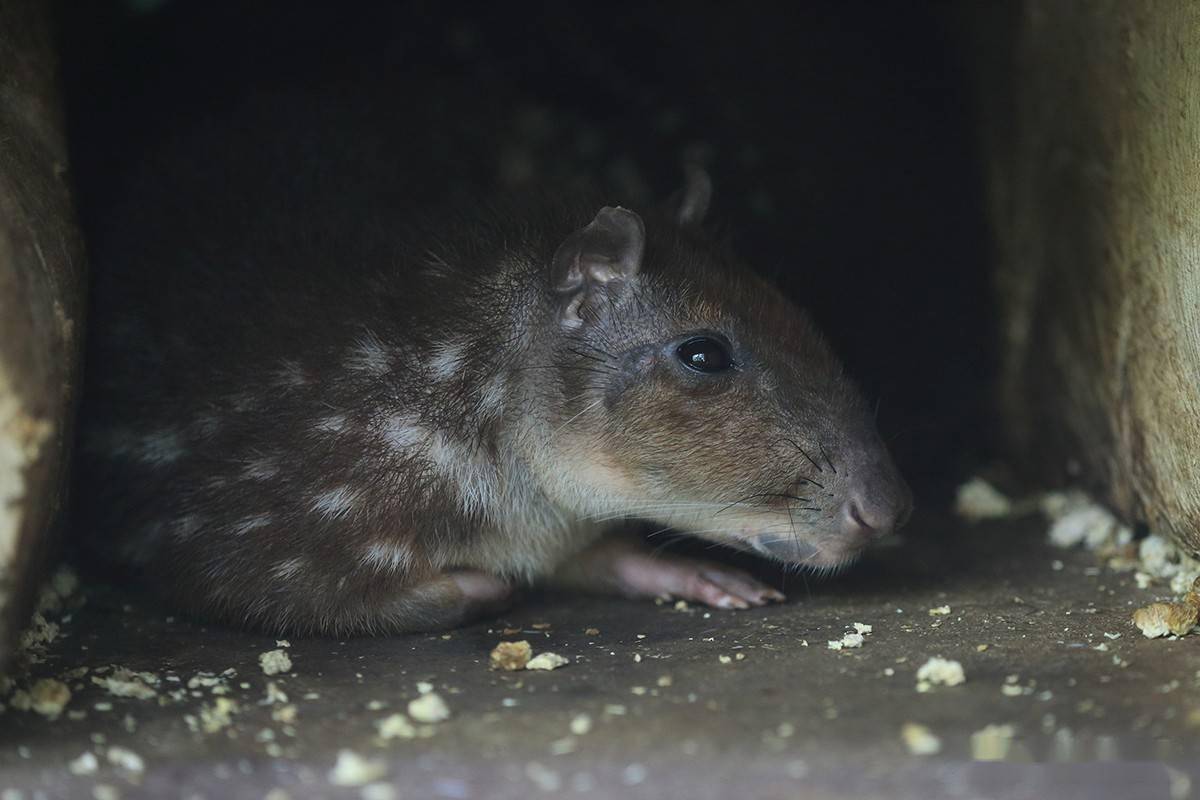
{"type": "Point", "coordinates": [682, 703]}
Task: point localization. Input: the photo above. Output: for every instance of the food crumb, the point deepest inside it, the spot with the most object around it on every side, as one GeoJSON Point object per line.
{"type": "Point", "coordinates": [581, 724]}
{"type": "Point", "coordinates": [940, 611]}
{"type": "Point", "coordinates": [978, 500]}
{"type": "Point", "coordinates": [725, 659]}
{"type": "Point", "coordinates": [274, 662]}
{"type": "Point", "coordinates": [49, 697]}
{"type": "Point", "coordinates": [127, 683]}
{"type": "Point", "coordinates": [919, 740]}
{"type": "Point", "coordinates": [939, 671]}
{"type": "Point", "coordinates": [396, 726]}
{"type": "Point", "coordinates": [126, 759]}
{"type": "Point", "coordinates": [591, 632]}
{"type": "Point", "coordinates": [992, 742]}
{"type": "Point", "coordinates": [86, 764]}
{"type": "Point", "coordinates": [352, 769]}
{"type": "Point", "coordinates": [429, 708]}
{"type": "Point", "coordinates": [510, 656]}
{"type": "Point", "coordinates": [547, 661]}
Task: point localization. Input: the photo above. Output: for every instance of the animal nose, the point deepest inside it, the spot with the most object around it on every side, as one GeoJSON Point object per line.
{"type": "Point", "coordinates": [877, 506]}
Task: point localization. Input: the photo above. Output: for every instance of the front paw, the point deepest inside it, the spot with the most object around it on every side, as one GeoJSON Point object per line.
{"type": "Point", "coordinates": [713, 584]}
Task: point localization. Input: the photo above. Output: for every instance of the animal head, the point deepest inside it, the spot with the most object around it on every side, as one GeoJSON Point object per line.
{"type": "Point", "coordinates": [693, 394]}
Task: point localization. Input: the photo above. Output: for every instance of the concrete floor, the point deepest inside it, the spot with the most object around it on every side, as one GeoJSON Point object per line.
{"type": "Point", "coordinates": [669, 717]}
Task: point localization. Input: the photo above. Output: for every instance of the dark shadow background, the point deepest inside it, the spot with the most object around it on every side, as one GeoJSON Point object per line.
{"type": "Point", "coordinates": [840, 137]}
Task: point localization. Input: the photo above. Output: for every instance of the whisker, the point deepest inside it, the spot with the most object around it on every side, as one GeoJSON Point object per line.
{"type": "Point", "coordinates": [804, 452]}
{"type": "Point", "coordinates": [831, 466]}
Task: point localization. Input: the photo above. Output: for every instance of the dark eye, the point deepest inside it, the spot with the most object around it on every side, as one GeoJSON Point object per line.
{"type": "Point", "coordinates": [704, 354]}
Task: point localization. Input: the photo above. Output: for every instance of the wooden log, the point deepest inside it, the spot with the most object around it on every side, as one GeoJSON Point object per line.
{"type": "Point", "coordinates": [41, 306]}
{"type": "Point", "coordinates": [1092, 135]}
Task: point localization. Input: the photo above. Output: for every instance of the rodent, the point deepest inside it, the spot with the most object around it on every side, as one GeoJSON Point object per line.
{"type": "Point", "coordinates": [308, 414]}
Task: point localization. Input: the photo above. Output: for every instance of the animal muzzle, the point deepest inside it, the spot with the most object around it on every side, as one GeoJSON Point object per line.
{"type": "Point", "coordinates": [878, 502]}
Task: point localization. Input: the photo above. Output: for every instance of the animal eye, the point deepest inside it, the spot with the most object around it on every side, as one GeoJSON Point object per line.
{"type": "Point", "coordinates": [704, 354]}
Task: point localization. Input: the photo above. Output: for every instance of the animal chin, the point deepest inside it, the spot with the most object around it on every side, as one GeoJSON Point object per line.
{"type": "Point", "coordinates": [827, 556]}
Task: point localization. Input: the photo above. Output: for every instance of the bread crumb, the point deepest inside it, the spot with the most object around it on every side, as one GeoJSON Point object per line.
{"type": "Point", "coordinates": [510, 656]}
{"type": "Point", "coordinates": [547, 661]}
{"type": "Point", "coordinates": [274, 695]}
{"type": "Point", "coordinates": [49, 697]}
{"type": "Point", "coordinates": [725, 659]}
{"type": "Point", "coordinates": [103, 791]}
{"type": "Point", "coordinates": [919, 740]}
{"type": "Point", "coordinates": [352, 769]}
{"type": "Point", "coordinates": [939, 671]}
{"type": "Point", "coordinates": [591, 632]}
{"type": "Point", "coordinates": [429, 708]}
{"type": "Point", "coordinates": [581, 724]}
{"type": "Point", "coordinates": [378, 791]}
{"type": "Point", "coordinates": [940, 611]}
{"type": "Point", "coordinates": [863, 629]}
{"type": "Point", "coordinates": [86, 764]}
{"type": "Point", "coordinates": [127, 683]}
{"type": "Point", "coordinates": [1159, 619]}
{"type": "Point", "coordinates": [978, 500]}
{"type": "Point", "coordinates": [126, 759]}
{"type": "Point", "coordinates": [396, 726]}
{"type": "Point", "coordinates": [992, 742]}
{"type": "Point", "coordinates": [274, 662]}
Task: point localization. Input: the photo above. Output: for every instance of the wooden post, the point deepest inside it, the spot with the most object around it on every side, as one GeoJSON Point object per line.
{"type": "Point", "coordinates": [1092, 135]}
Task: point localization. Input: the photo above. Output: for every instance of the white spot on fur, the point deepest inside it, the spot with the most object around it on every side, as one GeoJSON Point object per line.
{"type": "Point", "coordinates": [242, 402]}
{"type": "Point", "coordinates": [248, 524]}
{"type": "Point", "coordinates": [163, 447]}
{"type": "Point", "coordinates": [469, 471]}
{"type": "Point", "coordinates": [206, 425]}
{"type": "Point", "coordinates": [491, 399]}
{"type": "Point", "coordinates": [402, 432]}
{"type": "Point", "coordinates": [447, 361]}
{"type": "Point", "coordinates": [261, 469]}
{"type": "Point", "coordinates": [185, 527]}
{"type": "Point", "coordinates": [332, 424]}
{"type": "Point", "coordinates": [335, 503]}
{"type": "Point", "coordinates": [369, 355]}
{"type": "Point", "coordinates": [386, 555]}
{"type": "Point", "coordinates": [289, 568]}
{"type": "Point", "coordinates": [290, 374]}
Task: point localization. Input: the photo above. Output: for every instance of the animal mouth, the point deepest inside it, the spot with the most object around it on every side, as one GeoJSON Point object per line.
{"type": "Point", "coordinates": [829, 554]}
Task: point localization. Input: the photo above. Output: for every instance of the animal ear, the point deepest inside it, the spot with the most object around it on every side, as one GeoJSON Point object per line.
{"type": "Point", "coordinates": [691, 203]}
{"type": "Point", "coordinates": [602, 255]}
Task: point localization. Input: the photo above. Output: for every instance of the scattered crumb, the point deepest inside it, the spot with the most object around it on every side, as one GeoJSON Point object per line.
{"type": "Point", "coordinates": [919, 740]}
{"type": "Point", "coordinates": [979, 648]}
{"type": "Point", "coordinates": [127, 683]}
{"type": "Point", "coordinates": [681, 605]}
{"type": "Point", "coordinates": [352, 769]}
{"type": "Point", "coordinates": [396, 726]}
{"type": "Point", "coordinates": [581, 724]}
{"type": "Point", "coordinates": [591, 632]}
{"type": "Point", "coordinates": [86, 764]}
{"type": "Point", "coordinates": [214, 717]}
{"type": "Point", "coordinates": [424, 687]}
{"type": "Point", "coordinates": [429, 708]}
{"type": "Point", "coordinates": [939, 671]}
{"type": "Point", "coordinates": [126, 759]}
{"type": "Point", "coordinates": [378, 791]}
{"type": "Point", "coordinates": [1077, 520]}
{"type": "Point", "coordinates": [940, 611]}
{"type": "Point", "coordinates": [48, 697]}
{"type": "Point", "coordinates": [863, 629]}
{"type": "Point", "coordinates": [285, 714]}
{"type": "Point", "coordinates": [1159, 619]}
{"type": "Point", "coordinates": [274, 662]}
{"type": "Point", "coordinates": [978, 500]}
{"type": "Point", "coordinates": [725, 659]}
{"type": "Point", "coordinates": [274, 695]}
{"type": "Point", "coordinates": [103, 791]}
{"type": "Point", "coordinates": [992, 742]}
{"type": "Point", "coordinates": [510, 656]}
{"type": "Point", "coordinates": [547, 661]}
